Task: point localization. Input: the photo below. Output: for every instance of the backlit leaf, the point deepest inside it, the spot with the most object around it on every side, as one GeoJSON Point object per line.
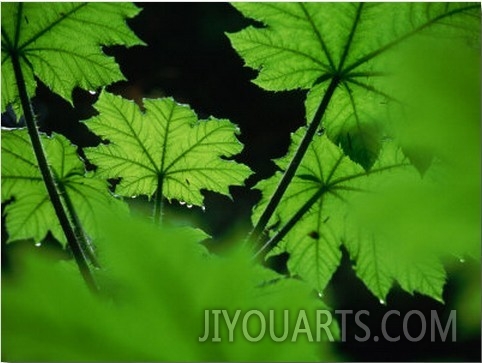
{"type": "Point", "coordinates": [306, 45]}
{"type": "Point", "coordinates": [315, 240]}
{"type": "Point", "coordinates": [30, 214]}
{"type": "Point", "coordinates": [165, 147]}
{"type": "Point", "coordinates": [61, 44]}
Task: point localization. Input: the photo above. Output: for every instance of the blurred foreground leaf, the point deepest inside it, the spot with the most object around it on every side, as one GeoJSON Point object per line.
{"type": "Point", "coordinates": [156, 286]}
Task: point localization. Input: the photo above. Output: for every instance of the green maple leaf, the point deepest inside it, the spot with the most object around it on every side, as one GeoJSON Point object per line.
{"type": "Point", "coordinates": [30, 213]}
{"type": "Point", "coordinates": [164, 148]}
{"type": "Point", "coordinates": [307, 45]}
{"type": "Point", "coordinates": [327, 185]}
{"type": "Point", "coordinates": [61, 44]}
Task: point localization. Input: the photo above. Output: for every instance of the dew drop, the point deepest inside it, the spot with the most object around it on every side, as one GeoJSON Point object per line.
{"type": "Point", "coordinates": [462, 260]}
{"type": "Point", "coordinates": [189, 206]}
{"type": "Point", "coordinates": [320, 295]}
{"type": "Point", "coordinates": [203, 208]}
{"type": "Point", "coordinates": [38, 244]}
{"type": "Point", "coordinates": [382, 301]}
{"type": "Point", "coordinates": [181, 202]}
{"type": "Point", "coordinates": [92, 92]}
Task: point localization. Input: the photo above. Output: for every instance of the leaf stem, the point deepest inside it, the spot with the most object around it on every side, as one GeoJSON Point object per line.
{"type": "Point", "coordinates": [158, 203]}
{"type": "Point", "coordinates": [86, 246]}
{"type": "Point", "coordinates": [48, 177]}
{"type": "Point", "coordinates": [295, 162]}
{"type": "Point", "coordinates": [292, 222]}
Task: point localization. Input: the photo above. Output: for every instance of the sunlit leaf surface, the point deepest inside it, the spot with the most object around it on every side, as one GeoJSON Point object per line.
{"type": "Point", "coordinates": [166, 147]}
{"type": "Point", "coordinates": [306, 45]}
{"type": "Point", "coordinates": [30, 213]}
{"type": "Point", "coordinates": [61, 44]}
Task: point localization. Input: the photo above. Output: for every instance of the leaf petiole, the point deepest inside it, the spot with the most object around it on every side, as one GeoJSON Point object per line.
{"type": "Point", "coordinates": [292, 222]}
{"type": "Point", "coordinates": [158, 203]}
{"type": "Point", "coordinates": [48, 177]}
{"type": "Point", "coordinates": [295, 162]}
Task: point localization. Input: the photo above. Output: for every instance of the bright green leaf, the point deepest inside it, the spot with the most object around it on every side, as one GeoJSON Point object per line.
{"type": "Point", "coordinates": [314, 242]}
{"type": "Point", "coordinates": [306, 45]}
{"type": "Point", "coordinates": [30, 214]}
{"type": "Point", "coordinates": [154, 296]}
{"type": "Point", "coordinates": [61, 44]}
{"type": "Point", "coordinates": [166, 147]}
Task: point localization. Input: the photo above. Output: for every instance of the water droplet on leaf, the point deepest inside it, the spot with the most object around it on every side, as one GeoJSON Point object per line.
{"type": "Point", "coordinates": [181, 202]}
{"type": "Point", "coordinates": [382, 301]}
{"type": "Point", "coordinates": [189, 205]}
{"type": "Point", "coordinates": [38, 244]}
{"type": "Point", "coordinates": [203, 208]}
{"type": "Point", "coordinates": [92, 92]}
{"type": "Point", "coordinates": [320, 295]}
{"type": "Point", "coordinates": [462, 260]}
